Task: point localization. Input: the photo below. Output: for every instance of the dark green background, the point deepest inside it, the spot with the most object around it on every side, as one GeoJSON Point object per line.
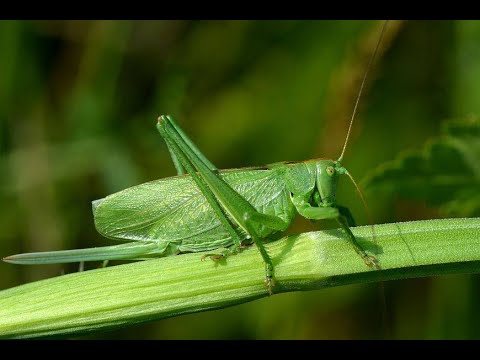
{"type": "Point", "coordinates": [78, 105]}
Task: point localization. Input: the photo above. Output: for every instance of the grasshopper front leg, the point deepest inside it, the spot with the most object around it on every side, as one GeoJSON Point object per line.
{"type": "Point", "coordinates": [223, 199]}
{"type": "Point", "coordinates": [342, 216]}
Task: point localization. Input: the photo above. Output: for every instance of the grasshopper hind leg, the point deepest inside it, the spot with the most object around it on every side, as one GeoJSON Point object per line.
{"type": "Point", "coordinates": [221, 197]}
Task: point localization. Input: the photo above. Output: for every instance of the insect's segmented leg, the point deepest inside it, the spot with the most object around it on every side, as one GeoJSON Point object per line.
{"type": "Point", "coordinates": [220, 253]}
{"type": "Point", "coordinates": [318, 213]}
{"type": "Point", "coordinates": [219, 192]}
{"type": "Point", "coordinates": [368, 259]}
{"type": "Point", "coordinates": [178, 165]}
{"type": "Point", "coordinates": [193, 147]}
{"type": "Point", "coordinates": [190, 143]}
{"type": "Point", "coordinates": [348, 215]}
{"type": "Point", "coordinates": [179, 154]}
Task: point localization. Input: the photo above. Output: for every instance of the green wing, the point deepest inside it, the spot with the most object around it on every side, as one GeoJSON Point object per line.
{"type": "Point", "coordinates": [126, 251]}
{"type": "Point", "coordinates": [174, 213]}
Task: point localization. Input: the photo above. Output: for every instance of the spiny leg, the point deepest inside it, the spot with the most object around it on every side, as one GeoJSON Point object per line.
{"type": "Point", "coordinates": [221, 253]}
{"type": "Point", "coordinates": [178, 165]}
{"type": "Point", "coordinates": [347, 214]}
{"type": "Point", "coordinates": [251, 220]}
{"type": "Point", "coordinates": [219, 212]}
{"type": "Point", "coordinates": [190, 143]}
{"type": "Point", "coordinates": [216, 184]}
{"type": "Point", "coordinates": [241, 210]}
{"type": "Point", "coordinates": [193, 147]}
{"type": "Point", "coordinates": [341, 215]}
{"type": "Point", "coordinates": [370, 260]}
{"type": "Point", "coordinates": [243, 213]}
{"type": "Point", "coordinates": [346, 221]}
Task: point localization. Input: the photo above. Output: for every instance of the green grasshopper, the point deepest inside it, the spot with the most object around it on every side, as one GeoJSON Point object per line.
{"type": "Point", "coordinates": [204, 209]}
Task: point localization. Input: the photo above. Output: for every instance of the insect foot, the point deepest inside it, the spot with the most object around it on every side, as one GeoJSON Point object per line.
{"type": "Point", "coordinates": [214, 257]}
{"type": "Point", "coordinates": [222, 254]}
{"type": "Point", "coordinates": [269, 283]}
{"type": "Point", "coordinates": [371, 261]}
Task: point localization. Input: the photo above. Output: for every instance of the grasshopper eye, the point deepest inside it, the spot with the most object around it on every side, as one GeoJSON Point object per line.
{"type": "Point", "coordinates": [330, 170]}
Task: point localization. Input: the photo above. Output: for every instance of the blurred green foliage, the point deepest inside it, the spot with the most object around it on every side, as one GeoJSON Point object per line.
{"type": "Point", "coordinates": [446, 173]}
{"type": "Point", "coordinates": [78, 105]}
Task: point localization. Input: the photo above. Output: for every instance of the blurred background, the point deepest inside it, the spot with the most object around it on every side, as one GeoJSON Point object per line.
{"type": "Point", "coordinates": [78, 106]}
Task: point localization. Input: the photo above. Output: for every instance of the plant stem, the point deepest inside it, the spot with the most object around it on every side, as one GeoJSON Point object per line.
{"type": "Point", "coordinates": [123, 295]}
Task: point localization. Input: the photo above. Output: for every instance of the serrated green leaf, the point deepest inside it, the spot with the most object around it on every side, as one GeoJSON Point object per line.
{"type": "Point", "coordinates": [446, 173]}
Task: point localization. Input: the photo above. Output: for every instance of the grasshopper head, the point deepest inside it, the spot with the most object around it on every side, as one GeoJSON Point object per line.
{"type": "Point", "coordinates": [327, 172]}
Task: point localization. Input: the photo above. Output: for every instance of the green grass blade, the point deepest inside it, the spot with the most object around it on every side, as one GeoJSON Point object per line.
{"type": "Point", "coordinates": [127, 294]}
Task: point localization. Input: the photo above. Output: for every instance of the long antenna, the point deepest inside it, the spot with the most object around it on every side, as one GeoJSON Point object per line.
{"type": "Point", "coordinates": [361, 88]}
